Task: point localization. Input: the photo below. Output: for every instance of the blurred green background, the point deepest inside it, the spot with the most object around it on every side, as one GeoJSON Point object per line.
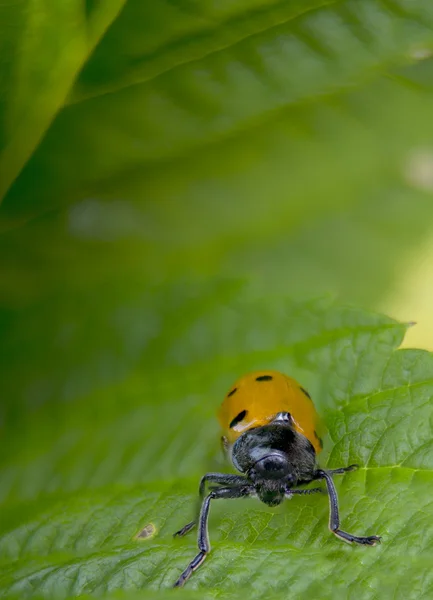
{"type": "Point", "coordinates": [156, 155]}
{"type": "Point", "coordinates": [287, 144]}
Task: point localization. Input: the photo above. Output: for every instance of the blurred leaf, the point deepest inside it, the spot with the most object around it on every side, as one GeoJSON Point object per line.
{"type": "Point", "coordinates": [256, 139]}
{"type": "Point", "coordinates": [176, 96]}
{"type": "Point", "coordinates": [43, 46]}
{"type": "Point", "coordinates": [77, 493]}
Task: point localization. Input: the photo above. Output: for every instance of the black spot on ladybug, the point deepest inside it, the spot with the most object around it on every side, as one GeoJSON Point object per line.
{"type": "Point", "coordinates": [240, 417]}
{"type": "Point", "coordinates": [319, 439]}
{"type": "Point", "coordinates": [232, 392]}
{"type": "Point", "coordinates": [264, 378]}
{"type": "Point", "coordinates": [305, 392]}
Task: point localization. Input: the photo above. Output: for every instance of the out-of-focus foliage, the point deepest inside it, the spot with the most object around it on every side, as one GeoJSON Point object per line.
{"type": "Point", "coordinates": [256, 138]}
{"type": "Point", "coordinates": [152, 155]}
{"type": "Point", "coordinates": [43, 46]}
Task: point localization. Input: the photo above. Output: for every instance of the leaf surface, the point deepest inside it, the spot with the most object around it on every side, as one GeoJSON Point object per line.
{"type": "Point", "coordinates": [74, 501]}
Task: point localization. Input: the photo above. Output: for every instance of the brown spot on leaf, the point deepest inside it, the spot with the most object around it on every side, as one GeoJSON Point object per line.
{"type": "Point", "coordinates": [147, 532]}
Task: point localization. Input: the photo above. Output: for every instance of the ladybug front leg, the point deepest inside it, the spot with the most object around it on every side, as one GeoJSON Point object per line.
{"type": "Point", "coordinates": [334, 518]}
{"type": "Point", "coordinates": [219, 479]}
{"type": "Point", "coordinates": [289, 492]}
{"type": "Point", "coordinates": [342, 470]}
{"type": "Point", "coordinates": [203, 536]}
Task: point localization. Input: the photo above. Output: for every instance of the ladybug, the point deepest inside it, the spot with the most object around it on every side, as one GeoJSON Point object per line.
{"type": "Point", "coordinates": [271, 436]}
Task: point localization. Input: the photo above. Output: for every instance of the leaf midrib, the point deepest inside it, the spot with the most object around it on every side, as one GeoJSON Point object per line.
{"type": "Point", "coordinates": [190, 39]}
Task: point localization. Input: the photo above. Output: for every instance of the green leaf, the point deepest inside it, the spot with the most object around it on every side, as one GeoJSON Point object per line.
{"type": "Point", "coordinates": [235, 91]}
{"type": "Point", "coordinates": [82, 483]}
{"type": "Point", "coordinates": [43, 46]}
{"type": "Point", "coordinates": [204, 138]}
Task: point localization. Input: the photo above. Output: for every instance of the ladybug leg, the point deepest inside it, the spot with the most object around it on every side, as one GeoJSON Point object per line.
{"type": "Point", "coordinates": [342, 470]}
{"type": "Point", "coordinates": [203, 536]}
{"type": "Point", "coordinates": [185, 529]}
{"type": "Point", "coordinates": [221, 479]}
{"type": "Point", "coordinates": [218, 478]}
{"type": "Point", "coordinates": [334, 518]}
{"type": "Point", "coordinates": [289, 493]}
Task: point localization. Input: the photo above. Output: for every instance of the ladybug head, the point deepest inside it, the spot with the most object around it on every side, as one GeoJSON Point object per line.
{"type": "Point", "coordinates": [274, 457]}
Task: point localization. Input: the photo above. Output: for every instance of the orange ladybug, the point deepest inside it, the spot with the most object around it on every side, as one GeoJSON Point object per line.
{"type": "Point", "coordinates": [271, 435]}
{"type": "Point", "coordinates": [256, 398]}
